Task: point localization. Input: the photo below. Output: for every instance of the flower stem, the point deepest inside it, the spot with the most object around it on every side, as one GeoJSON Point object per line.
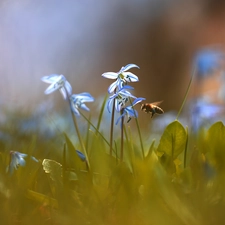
{"type": "Point", "coordinates": [122, 134]}
{"type": "Point", "coordinates": [139, 131]}
{"type": "Point", "coordinates": [78, 132]}
{"type": "Point", "coordinates": [139, 134]}
{"type": "Point", "coordinates": [80, 139]}
{"type": "Point", "coordinates": [111, 129]}
{"type": "Point", "coordinates": [185, 150]}
{"type": "Point", "coordinates": [186, 94]}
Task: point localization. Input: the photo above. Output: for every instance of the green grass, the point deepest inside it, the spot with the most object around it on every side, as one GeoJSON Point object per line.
{"type": "Point", "coordinates": [175, 183]}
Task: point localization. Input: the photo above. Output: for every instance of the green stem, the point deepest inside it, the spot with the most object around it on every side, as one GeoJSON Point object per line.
{"type": "Point", "coordinates": [185, 150]}
{"type": "Point", "coordinates": [139, 131]}
{"type": "Point", "coordinates": [111, 129]}
{"type": "Point", "coordinates": [78, 132]}
{"type": "Point", "coordinates": [80, 139]}
{"type": "Point", "coordinates": [95, 128]}
{"type": "Point", "coordinates": [186, 94]}
{"type": "Point", "coordinates": [122, 134]}
{"type": "Point", "coordinates": [139, 134]}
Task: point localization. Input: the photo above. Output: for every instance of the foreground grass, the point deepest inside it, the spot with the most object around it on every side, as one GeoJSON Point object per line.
{"type": "Point", "coordinates": [179, 181]}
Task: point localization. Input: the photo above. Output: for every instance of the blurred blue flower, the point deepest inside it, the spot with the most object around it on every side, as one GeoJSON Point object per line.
{"type": "Point", "coordinates": [77, 101]}
{"type": "Point", "coordinates": [129, 111]}
{"type": "Point", "coordinates": [121, 97]}
{"type": "Point", "coordinates": [16, 160]}
{"type": "Point", "coordinates": [122, 77]}
{"type": "Point", "coordinates": [81, 155]}
{"type": "Point", "coordinates": [58, 82]}
{"type": "Point", "coordinates": [204, 112]}
{"type": "Point", "coordinates": [208, 60]}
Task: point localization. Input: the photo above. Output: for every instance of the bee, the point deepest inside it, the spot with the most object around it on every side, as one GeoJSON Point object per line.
{"type": "Point", "coordinates": [152, 108]}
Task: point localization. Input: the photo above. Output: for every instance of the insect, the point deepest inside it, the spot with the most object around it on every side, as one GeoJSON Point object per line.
{"type": "Point", "coordinates": [152, 108]}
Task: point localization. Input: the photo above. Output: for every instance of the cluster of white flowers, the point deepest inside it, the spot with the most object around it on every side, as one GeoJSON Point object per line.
{"type": "Point", "coordinates": [120, 92]}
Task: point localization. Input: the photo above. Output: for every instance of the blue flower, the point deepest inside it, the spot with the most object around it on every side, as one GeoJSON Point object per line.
{"type": "Point", "coordinates": [129, 111]}
{"type": "Point", "coordinates": [207, 61]}
{"type": "Point", "coordinates": [77, 101]}
{"type": "Point", "coordinates": [58, 82]}
{"type": "Point", "coordinates": [204, 112]}
{"type": "Point", "coordinates": [81, 155]}
{"type": "Point", "coordinates": [16, 160]}
{"type": "Point", "coordinates": [121, 97]}
{"type": "Point", "coordinates": [122, 77]}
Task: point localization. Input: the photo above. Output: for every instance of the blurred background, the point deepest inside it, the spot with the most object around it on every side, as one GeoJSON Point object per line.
{"type": "Point", "coordinates": [83, 39]}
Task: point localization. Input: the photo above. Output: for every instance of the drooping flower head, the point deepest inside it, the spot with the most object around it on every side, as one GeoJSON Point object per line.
{"type": "Point", "coordinates": [122, 77]}
{"type": "Point", "coordinates": [58, 82]}
{"type": "Point", "coordinates": [129, 111]}
{"type": "Point", "coordinates": [16, 160]}
{"type": "Point", "coordinates": [121, 97]}
{"type": "Point", "coordinates": [78, 102]}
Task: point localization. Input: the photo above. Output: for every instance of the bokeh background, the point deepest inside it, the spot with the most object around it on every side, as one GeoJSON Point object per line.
{"type": "Point", "coordinates": [83, 39]}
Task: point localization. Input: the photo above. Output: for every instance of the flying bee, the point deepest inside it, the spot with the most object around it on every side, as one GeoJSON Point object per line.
{"type": "Point", "coordinates": [152, 108]}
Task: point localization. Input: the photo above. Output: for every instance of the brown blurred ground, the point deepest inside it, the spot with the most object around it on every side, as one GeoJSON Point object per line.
{"type": "Point", "coordinates": [83, 39]}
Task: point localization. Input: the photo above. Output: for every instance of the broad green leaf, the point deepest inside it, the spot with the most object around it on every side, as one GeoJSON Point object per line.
{"type": "Point", "coordinates": [173, 140]}
{"type": "Point", "coordinates": [72, 159]}
{"type": "Point", "coordinates": [216, 134]}
{"type": "Point", "coordinates": [215, 143]}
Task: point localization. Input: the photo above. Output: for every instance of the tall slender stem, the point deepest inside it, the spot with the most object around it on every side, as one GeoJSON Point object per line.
{"type": "Point", "coordinates": [185, 150]}
{"type": "Point", "coordinates": [78, 132]}
{"type": "Point", "coordinates": [80, 139]}
{"type": "Point", "coordinates": [122, 134]}
{"type": "Point", "coordinates": [140, 138]}
{"type": "Point", "coordinates": [139, 131]}
{"type": "Point", "coordinates": [111, 129]}
{"type": "Point", "coordinates": [186, 94]}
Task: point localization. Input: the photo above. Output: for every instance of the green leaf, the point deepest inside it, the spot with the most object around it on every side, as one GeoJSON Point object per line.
{"type": "Point", "coordinates": [150, 150]}
{"type": "Point", "coordinates": [72, 159]}
{"type": "Point", "coordinates": [173, 140]}
{"type": "Point", "coordinates": [43, 199]}
{"type": "Point", "coordinates": [216, 134]}
{"type": "Point", "coordinates": [215, 143]}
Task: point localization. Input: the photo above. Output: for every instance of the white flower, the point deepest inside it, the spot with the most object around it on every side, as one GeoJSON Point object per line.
{"type": "Point", "coordinates": [77, 101]}
{"type": "Point", "coordinates": [129, 111]}
{"type": "Point", "coordinates": [121, 97]}
{"type": "Point", "coordinates": [122, 77]}
{"type": "Point", "coordinates": [58, 82]}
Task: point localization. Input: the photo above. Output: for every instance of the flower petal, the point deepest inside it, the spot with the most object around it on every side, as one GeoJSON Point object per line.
{"type": "Point", "coordinates": [129, 66]}
{"type": "Point", "coordinates": [53, 87]}
{"type": "Point", "coordinates": [83, 97]}
{"type": "Point", "coordinates": [110, 75]}
{"type": "Point", "coordinates": [50, 78]}
{"type": "Point", "coordinates": [109, 104]}
{"type": "Point", "coordinates": [81, 155]}
{"type": "Point", "coordinates": [113, 86]}
{"type": "Point", "coordinates": [137, 100]}
{"type": "Point", "coordinates": [63, 92]}
{"type": "Point", "coordinates": [84, 107]}
{"type": "Point", "coordinates": [130, 77]}
{"type": "Point", "coordinates": [75, 110]}
{"type": "Point", "coordinates": [68, 87]}
{"type": "Point", "coordinates": [117, 121]}
{"type": "Point", "coordinates": [130, 111]}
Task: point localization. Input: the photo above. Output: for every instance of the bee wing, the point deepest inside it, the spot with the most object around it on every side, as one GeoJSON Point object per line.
{"type": "Point", "coordinates": [156, 103]}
